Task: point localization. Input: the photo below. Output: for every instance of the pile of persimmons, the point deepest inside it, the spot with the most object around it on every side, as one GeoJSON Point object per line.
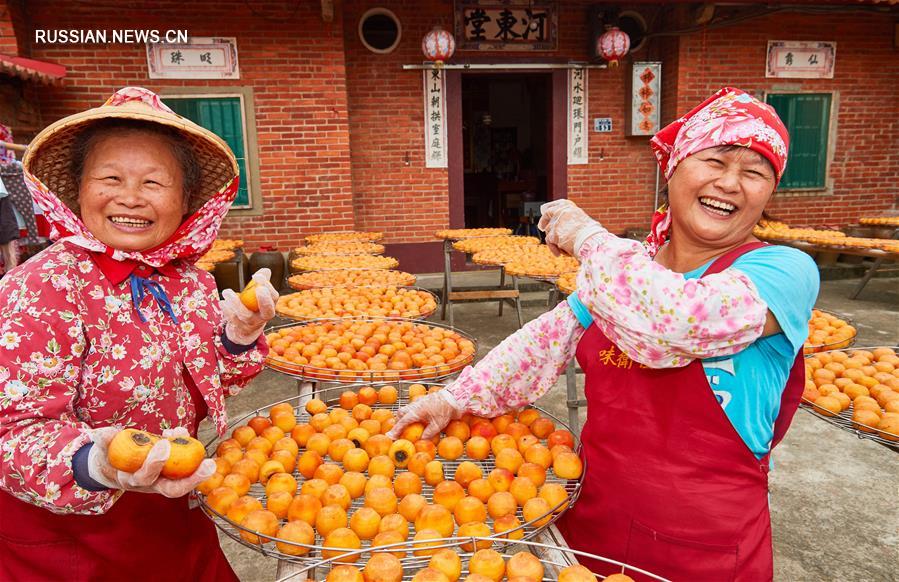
{"type": "Point", "coordinates": [379, 349]}
{"type": "Point", "coordinates": [826, 331]}
{"type": "Point", "coordinates": [328, 262]}
{"type": "Point", "coordinates": [370, 301]}
{"type": "Point", "coordinates": [861, 383]}
{"type": "Point", "coordinates": [331, 478]}
{"type": "Point", "coordinates": [350, 278]}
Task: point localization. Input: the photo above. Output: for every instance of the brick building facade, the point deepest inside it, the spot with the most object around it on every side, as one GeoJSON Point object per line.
{"type": "Point", "coordinates": [338, 129]}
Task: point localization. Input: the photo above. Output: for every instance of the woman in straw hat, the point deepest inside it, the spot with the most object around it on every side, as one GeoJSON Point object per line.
{"type": "Point", "coordinates": [692, 352]}
{"type": "Point", "coordinates": [111, 327]}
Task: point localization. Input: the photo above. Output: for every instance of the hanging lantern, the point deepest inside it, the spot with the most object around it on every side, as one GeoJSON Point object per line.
{"type": "Point", "coordinates": [613, 45]}
{"type": "Point", "coordinates": [438, 46]}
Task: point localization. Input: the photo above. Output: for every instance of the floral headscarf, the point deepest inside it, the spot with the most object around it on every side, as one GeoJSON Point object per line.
{"type": "Point", "coordinates": [729, 117]}
{"type": "Point", "coordinates": [193, 238]}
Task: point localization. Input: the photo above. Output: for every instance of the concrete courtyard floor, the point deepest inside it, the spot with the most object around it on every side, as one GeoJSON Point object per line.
{"type": "Point", "coordinates": [834, 504]}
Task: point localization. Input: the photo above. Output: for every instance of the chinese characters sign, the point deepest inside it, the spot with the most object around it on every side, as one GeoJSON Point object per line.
{"type": "Point", "coordinates": [577, 116]}
{"type": "Point", "coordinates": [510, 25]}
{"type": "Point", "coordinates": [800, 60]}
{"type": "Point", "coordinates": [645, 98]}
{"type": "Point", "coordinates": [435, 118]}
{"type": "Point", "coordinates": [199, 58]}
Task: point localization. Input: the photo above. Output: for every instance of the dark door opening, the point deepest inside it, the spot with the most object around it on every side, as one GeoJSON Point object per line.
{"type": "Point", "coordinates": [506, 148]}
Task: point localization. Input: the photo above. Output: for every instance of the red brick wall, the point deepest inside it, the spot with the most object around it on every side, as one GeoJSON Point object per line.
{"type": "Point", "coordinates": [7, 33]}
{"type": "Point", "coordinates": [410, 202]}
{"type": "Point", "coordinates": [864, 170]}
{"type": "Point", "coordinates": [335, 121]}
{"type": "Point", "coordinates": [406, 202]}
{"type": "Point", "coordinates": [288, 55]}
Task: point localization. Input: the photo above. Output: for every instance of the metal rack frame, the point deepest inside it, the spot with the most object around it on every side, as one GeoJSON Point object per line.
{"type": "Point", "coordinates": [501, 292]}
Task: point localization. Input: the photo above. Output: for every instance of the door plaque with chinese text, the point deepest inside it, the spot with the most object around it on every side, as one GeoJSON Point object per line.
{"type": "Point", "coordinates": [503, 26]}
{"type": "Point", "coordinates": [435, 118]}
{"type": "Point", "coordinates": [199, 58]}
{"type": "Point", "coordinates": [800, 59]}
{"type": "Point", "coordinates": [577, 116]}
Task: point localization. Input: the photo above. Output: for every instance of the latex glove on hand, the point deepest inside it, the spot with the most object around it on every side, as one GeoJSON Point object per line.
{"type": "Point", "coordinates": [243, 326]}
{"type": "Point", "coordinates": [435, 411]}
{"type": "Point", "coordinates": [566, 226]}
{"type": "Point", "coordinates": [146, 479]}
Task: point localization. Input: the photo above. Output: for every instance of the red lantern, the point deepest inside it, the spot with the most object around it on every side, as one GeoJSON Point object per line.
{"type": "Point", "coordinates": [438, 45]}
{"type": "Point", "coordinates": [613, 45]}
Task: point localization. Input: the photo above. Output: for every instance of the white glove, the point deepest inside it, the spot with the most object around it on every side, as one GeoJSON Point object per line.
{"type": "Point", "coordinates": [243, 326]}
{"type": "Point", "coordinates": [566, 226]}
{"type": "Point", "coordinates": [146, 479]}
{"type": "Point", "coordinates": [434, 410]}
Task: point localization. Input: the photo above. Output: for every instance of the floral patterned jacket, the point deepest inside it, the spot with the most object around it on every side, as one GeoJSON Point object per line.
{"type": "Point", "coordinates": [76, 353]}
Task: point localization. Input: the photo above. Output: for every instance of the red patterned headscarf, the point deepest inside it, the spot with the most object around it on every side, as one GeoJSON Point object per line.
{"type": "Point", "coordinates": [729, 117]}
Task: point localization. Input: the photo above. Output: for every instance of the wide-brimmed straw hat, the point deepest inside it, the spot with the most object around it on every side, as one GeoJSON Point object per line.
{"type": "Point", "coordinates": [49, 156]}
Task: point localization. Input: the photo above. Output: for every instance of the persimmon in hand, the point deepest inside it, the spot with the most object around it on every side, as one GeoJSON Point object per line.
{"type": "Point", "coordinates": [129, 449]}
{"type": "Point", "coordinates": [248, 297]}
{"type": "Point", "coordinates": [185, 457]}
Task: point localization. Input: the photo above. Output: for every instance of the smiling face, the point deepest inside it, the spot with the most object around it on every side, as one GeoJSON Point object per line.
{"type": "Point", "coordinates": [718, 194]}
{"type": "Point", "coordinates": [131, 190]}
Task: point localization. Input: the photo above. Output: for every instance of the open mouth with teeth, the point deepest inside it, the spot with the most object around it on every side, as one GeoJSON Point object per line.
{"type": "Point", "coordinates": [718, 207]}
{"type": "Point", "coordinates": [130, 222]}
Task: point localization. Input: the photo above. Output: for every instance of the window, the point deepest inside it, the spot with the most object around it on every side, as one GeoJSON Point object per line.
{"type": "Point", "coordinates": [634, 25]}
{"type": "Point", "coordinates": [807, 117]}
{"type": "Point", "coordinates": [222, 114]}
{"type": "Point", "coordinates": [380, 30]}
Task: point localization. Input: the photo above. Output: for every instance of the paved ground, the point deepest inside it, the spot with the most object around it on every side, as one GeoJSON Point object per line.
{"type": "Point", "coordinates": [833, 496]}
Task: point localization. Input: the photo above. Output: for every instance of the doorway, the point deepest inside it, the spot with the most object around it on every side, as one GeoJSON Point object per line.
{"type": "Point", "coordinates": [506, 148]}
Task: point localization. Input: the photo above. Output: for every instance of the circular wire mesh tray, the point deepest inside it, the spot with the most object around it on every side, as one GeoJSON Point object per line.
{"type": "Point", "coordinates": [418, 317]}
{"type": "Point", "coordinates": [330, 396]}
{"type": "Point", "coordinates": [844, 420]}
{"type": "Point", "coordinates": [402, 278]}
{"type": "Point", "coordinates": [313, 373]}
{"type": "Point", "coordinates": [346, 235]}
{"type": "Point", "coordinates": [454, 234]}
{"type": "Point", "coordinates": [809, 349]}
{"type": "Point", "coordinates": [553, 558]}
{"type": "Point", "coordinates": [336, 250]}
{"type": "Point", "coordinates": [311, 262]}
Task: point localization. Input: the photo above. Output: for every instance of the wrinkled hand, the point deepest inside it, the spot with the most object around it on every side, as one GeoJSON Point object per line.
{"type": "Point", "coordinates": [146, 479]}
{"type": "Point", "coordinates": [243, 326]}
{"type": "Point", "coordinates": [566, 226]}
{"type": "Point", "coordinates": [434, 410]}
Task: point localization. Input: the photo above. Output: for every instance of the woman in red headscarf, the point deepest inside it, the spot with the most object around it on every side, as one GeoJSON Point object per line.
{"type": "Point", "coordinates": [692, 351]}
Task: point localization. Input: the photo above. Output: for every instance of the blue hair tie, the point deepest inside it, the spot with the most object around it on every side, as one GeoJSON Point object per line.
{"type": "Point", "coordinates": [139, 289]}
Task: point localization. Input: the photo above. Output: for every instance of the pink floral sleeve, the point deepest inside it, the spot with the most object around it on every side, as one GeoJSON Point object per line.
{"type": "Point", "coordinates": [522, 367]}
{"type": "Point", "coordinates": [658, 317]}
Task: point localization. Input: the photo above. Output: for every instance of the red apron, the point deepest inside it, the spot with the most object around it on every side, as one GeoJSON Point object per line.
{"type": "Point", "coordinates": [143, 536]}
{"type": "Point", "coordinates": [670, 486]}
